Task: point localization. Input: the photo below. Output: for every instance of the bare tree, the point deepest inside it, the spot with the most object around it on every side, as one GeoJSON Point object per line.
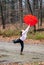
{"type": "Point", "coordinates": [29, 6]}
{"type": "Point", "coordinates": [40, 12]}
{"type": "Point", "coordinates": [34, 13]}
{"type": "Point", "coordinates": [21, 11]}
{"type": "Point", "coordinates": [3, 22]}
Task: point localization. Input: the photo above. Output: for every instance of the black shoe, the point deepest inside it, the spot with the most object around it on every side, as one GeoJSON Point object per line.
{"type": "Point", "coordinates": [21, 53]}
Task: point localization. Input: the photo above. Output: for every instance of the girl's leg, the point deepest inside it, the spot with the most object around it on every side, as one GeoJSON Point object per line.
{"type": "Point", "coordinates": [16, 41]}
{"type": "Point", "coordinates": [22, 47]}
{"type": "Point", "coordinates": [21, 42]}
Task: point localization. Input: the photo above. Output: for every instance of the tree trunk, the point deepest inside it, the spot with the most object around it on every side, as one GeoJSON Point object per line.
{"type": "Point", "coordinates": [12, 11]}
{"type": "Point", "coordinates": [21, 11]}
{"type": "Point", "coordinates": [34, 13]}
{"type": "Point", "coordinates": [40, 12]}
{"type": "Point", "coordinates": [29, 6]}
{"type": "Point", "coordinates": [3, 22]}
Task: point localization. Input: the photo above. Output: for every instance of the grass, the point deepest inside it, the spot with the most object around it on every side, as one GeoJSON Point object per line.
{"type": "Point", "coordinates": [10, 32]}
{"type": "Point", "coordinates": [37, 35]}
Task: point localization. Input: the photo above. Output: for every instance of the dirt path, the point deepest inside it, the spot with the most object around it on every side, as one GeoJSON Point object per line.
{"type": "Point", "coordinates": [10, 52]}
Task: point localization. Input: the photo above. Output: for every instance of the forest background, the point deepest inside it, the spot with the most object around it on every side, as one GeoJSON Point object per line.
{"type": "Point", "coordinates": [11, 18]}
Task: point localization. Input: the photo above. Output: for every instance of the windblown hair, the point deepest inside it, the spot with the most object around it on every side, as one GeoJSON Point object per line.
{"type": "Point", "coordinates": [20, 33]}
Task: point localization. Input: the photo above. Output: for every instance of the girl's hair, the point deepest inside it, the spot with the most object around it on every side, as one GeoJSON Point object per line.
{"type": "Point", "coordinates": [20, 33]}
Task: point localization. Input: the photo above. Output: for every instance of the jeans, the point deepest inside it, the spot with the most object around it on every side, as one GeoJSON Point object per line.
{"type": "Point", "coordinates": [21, 43]}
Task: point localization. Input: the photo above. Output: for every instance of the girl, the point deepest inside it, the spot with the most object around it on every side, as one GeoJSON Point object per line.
{"type": "Point", "coordinates": [22, 38]}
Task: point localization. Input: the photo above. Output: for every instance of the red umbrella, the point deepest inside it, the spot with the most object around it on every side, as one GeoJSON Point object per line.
{"type": "Point", "coordinates": [30, 20]}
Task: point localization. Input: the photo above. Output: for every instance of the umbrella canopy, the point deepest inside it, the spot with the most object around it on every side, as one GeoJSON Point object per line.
{"type": "Point", "coordinates": [30, 19]}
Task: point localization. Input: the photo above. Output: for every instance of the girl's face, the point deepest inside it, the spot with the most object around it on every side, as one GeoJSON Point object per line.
{"type": "Point", "coordinates": [22, 30]}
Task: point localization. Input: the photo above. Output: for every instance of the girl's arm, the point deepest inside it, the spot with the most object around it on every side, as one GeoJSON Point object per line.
{"type": "Point", "coordinates": [26, 30]}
